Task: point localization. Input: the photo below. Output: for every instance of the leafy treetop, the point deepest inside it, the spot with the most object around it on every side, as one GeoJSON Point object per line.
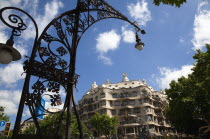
{"type": "Point", "coordinates": [177, 3]}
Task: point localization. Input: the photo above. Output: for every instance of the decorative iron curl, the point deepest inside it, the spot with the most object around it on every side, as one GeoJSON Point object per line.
{"type": "Point", "coordinates": [39, 90]}
{"type": "Point", "coordinates": [14, 19]}
{"type": "Point", "coordinates": [16, 22]}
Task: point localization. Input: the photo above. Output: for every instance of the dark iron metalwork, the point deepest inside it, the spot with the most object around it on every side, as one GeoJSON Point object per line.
{"type": "Point", "coordinates": [53, 58]}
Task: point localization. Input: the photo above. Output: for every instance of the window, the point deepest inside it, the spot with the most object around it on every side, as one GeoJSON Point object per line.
{"type": "Point", "coordinates": [144, 93]}
{"type": "Point", "coordinates": [136, 110]}
{"type": "Point", "coordinates": [114, 95]}
{"type": "Point", "coordinates": [146, 101]}
{"type": "Point", "coordinates": [129, 130]}
{"type": "Point", "coordinates": [127, 94]}
{"type": "Point", "coordinates": [85, 101]}
{"type": "Point", "coordinates": [122, 112]}
{"type": "Point", "coordinates": [95, 106]}
{"type": "Point", "coordinates": [111, 103]}
{"type": "Point", "coordinates": [125, 103]}
{"type": "Point", "coordinates": [123, 95]}
{"type": "Point", "coordinates": [102, 95]}
{"type": "Point", "coordinates": [113, 112]}
{"type": "Point", "coordinates": [132, 102]}
{"type": "Point", "coordinates": [134, 94]}
{"type": "Point", "coordinates": [117, 103]}
{"type": "Point", "coordinates": [140, 101]}
{"type": "Point", "coordinates": [96, 98]}
{"type": "Point", "coordinates": [103, 111]}
{"type": "Point", "coordinates": [149, 118]}
{"type": "Point", "coordinates": [147, 109]}
{"type": "Point", "coordinates": [103, 103]}
{"type": "Point", "coordinates": [119, 95]}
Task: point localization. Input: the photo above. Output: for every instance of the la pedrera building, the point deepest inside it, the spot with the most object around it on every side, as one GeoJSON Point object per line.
{"type": "Point", "coordinates": [138, 107]}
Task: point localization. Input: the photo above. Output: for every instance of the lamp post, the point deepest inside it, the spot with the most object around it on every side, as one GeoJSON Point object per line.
{"type": "Point", "coordinates": [53, 58]}
{"type": "Point", "coordinates": [7, 52]}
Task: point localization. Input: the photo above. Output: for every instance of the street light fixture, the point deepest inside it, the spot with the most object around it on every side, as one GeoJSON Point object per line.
{"type": "Point", "coordinates": [139, 45]}
{"type": "Point", "coordinates": [8, 53]}
{"type": "Point", "coordinates": [53, 57]}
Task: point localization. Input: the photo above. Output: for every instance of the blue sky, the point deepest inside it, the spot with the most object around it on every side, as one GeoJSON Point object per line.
{"type": "Point", "coordinates": [107, 50]}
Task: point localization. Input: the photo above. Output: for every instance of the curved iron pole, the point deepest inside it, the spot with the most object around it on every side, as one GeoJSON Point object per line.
{"type": "Point", "coordinates": [28, 76]}
{"type": "Point", "coordinates": [70, 87]}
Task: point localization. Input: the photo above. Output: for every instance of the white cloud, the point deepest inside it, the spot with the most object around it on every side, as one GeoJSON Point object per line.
{"type": "Point", "coordinates": [201, 25]}
{"type": "Point", "coordinates": [21, 49]}
{"type": "Point", "coordinates": [10, 100]}
{"type": "Point", "coordinates": [11, 73]}
{"type": "Point", "coordinates": [107, 41]}
{"type": "Point", "coordinates": [106, 60]}
{"type": "Point", "coordinates": [51, 10]}
{"type": "Point", "coordinates": [3, 37]}
{"type": "Point", "coordinates": [6, 3]}
{"type": "Point", "coordinates": [140, 12]}
{"type": "Point", "coordinates": [168, 74]}
{"type": "Point", "coordinates": [128, 35]}
{"type": "Point", "coordinates": [181, 40]}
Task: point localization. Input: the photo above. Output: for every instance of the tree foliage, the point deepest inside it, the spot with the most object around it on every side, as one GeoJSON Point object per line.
{"type": "Point", "coordinates": [189, 98]}
{"type": "Point", "coordinates": [104, 124]}
{"type": "Point", "coordinates": [4, 117]}
{"type": "Point", "coordinates": [177, 3]}
{"type": "Point", "coordinates": [48, 126]}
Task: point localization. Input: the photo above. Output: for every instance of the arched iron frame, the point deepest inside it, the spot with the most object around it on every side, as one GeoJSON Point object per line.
{"type": "Point", "coordinates": [53, 71]}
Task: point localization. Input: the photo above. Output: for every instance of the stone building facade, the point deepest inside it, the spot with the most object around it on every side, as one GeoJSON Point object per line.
{"type": "Point", "coordinates": [26, 125]}
{"type": "Point", "coordinates": [138, 107]}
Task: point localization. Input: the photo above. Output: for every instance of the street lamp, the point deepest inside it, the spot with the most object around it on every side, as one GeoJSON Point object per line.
{"type": "Point", "coordinates": [8, 53]}
{"type": "Point", "coordinates": [53, 58]}
{"type": "Point", "coordinates": [139, 45]}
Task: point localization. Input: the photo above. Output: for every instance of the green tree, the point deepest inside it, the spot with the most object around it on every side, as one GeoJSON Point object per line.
{"type": "Point", "coordinates": [48, 126]}
{"type": "Point", "coordinates": [177, 3]}
{"type": "Point", "coordinates": [104, 124]}
{"type": "Point", "coordinates": [74, 128]}
{"type": "Point", "coordinates": [30, 130]}
{"type": "Point", "coordinates": [4, 117]}
{"type": "Point", "coordinates": [189, 98]}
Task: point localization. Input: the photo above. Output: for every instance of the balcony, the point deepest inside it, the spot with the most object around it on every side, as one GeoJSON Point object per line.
{"type": "Point", "coordinates": [161, 123]}
{"type": "Point", "coordinates": [88, 101]}
{"type": "Point", "coordinates": [156, 99]}
{"type": "Point", "coordinates": [131, 121]}
{"type": "Point", "coordinates": [159, 114]}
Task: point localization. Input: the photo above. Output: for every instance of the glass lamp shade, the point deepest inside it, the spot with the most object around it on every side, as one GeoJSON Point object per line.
{"type": "Point", "coordinates": [8, 54]}
{"type": "Point", "coordinates": [5, 56]}
{"type": "Point", "coordinates": [139, 46]}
